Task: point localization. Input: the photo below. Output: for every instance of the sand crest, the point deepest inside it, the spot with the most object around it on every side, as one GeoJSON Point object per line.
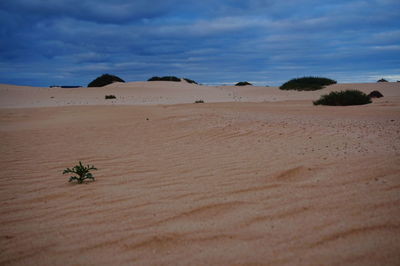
{"type": "Point", "coordinates": [162, 92]}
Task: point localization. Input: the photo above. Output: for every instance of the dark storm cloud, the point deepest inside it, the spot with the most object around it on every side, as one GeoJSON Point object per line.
{"type": "Point", "coordinates": [45, 42]}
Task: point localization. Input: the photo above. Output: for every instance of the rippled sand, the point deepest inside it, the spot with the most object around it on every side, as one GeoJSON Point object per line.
{"type": "Point", "coordinates": [199, 184]}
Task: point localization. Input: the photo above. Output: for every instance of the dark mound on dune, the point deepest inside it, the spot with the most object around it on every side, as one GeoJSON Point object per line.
{"type": "Point", "coordinates": [375, 94]}
{"type": "Point", "coordinates": [171, 78]}
{"type": "Point", "coordinates": [166, 78]}
{"type": "Point", "coordinates": [382, 80]}
{"type": "Point", "coordinates": [190, 81]}
{"type": "Point", "coordinates": [243, 83]}
{"type": "Point", "coordinates": [307, 84]}
{"type": "Point", "coordinates": [104, 80]}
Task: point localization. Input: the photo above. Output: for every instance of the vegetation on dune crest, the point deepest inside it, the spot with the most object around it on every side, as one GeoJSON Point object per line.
{"type": "Point", "coordinates": [104, 80]}
{"type": "Point", "coordinates": [171, 78]}
{"type": "Point", "coordinates": [243, 83]}
{"type": "Point", "coordinates": [166, 78]}
{"type": "Point", "coordinates": [307, 84]}
{"type": "Point", "coordinates": [382, 80]}
{"type": "Point", "coordinates": [190, 81]}
{"type": "Point", "coordinates": [81, 173]}
{"type": "Point", "coordinates": [344, 98]}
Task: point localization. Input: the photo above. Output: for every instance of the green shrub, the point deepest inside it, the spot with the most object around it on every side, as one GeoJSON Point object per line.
{"type": "Point", "coordinates": [104, 80]}
{"type": "Point", "coordinates": [243, 83]}
{"type": "Point", "coordinates": [307, 84]}
{"type": "Point", "coordinates": [199, 101]}
{"type": "Point", "coordinates": [166, 78]}
{"type": "Point", "coordinates": [82, 172]}
{"type": "Point", "coordinates": [343, 98]}
{"type": "Point", "coordinates": [382, 80]}
{"type": "Point", "coordinates": [110, 97]}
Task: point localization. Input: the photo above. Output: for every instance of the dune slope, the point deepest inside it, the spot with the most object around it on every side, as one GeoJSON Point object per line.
{"type": "Point", "coordinates": [161, 92]}
{"type": "Point", "coordinates": [227, 183]}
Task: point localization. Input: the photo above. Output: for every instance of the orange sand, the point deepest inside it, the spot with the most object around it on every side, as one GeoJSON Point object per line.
{"type": "Point", "coordinates": [276, 182]}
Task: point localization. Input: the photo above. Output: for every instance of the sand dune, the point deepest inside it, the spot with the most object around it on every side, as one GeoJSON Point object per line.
{"type": "Point", "coordinates": [161, 92]}
{"type": "Point", "coordinates": [279, 183]}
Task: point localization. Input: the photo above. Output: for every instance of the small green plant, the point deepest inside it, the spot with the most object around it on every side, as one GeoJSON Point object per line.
{"type": "Point", "coordinates": [343, 98]}
{"type": "Point", "coordinates": [382, 80]}
{"type": "Point", "coordinates": [82, 172]}
{"type": "Point", "coordinates": [199, 101]}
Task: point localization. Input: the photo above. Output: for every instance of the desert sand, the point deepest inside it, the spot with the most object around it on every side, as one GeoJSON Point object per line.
{"type": "Point", "coordinates": [254, 176]}
{"type": "Point", "coordinates": [163, 92]}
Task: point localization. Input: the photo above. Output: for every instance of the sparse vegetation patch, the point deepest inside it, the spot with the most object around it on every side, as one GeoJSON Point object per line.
{"type": "Point", "coordinates": [107, 97]}
{"type": "Point", "coordinates": [344, 98]}
{"type": "Point", "coordinates": [382, 80]}
{"type": "Point", "coordinates": [199, 101]}
{"type": "Point", "coordinates": [243, 83]}
{"type": "Point", "coordinates": [307, 84]}
{"type": "Point", "coordinates": [166, 78]}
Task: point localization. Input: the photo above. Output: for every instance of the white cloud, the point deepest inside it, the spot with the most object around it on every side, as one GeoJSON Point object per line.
{"type": "Point", "coordinates": [387, 48]}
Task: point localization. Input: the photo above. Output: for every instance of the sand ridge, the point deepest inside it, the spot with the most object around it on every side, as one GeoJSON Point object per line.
{"type": "Point", "coordinates": [162, 92]}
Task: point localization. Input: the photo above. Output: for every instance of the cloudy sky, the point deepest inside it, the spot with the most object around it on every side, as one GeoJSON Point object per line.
{"type": "Point", "coordinates": [71, 42]}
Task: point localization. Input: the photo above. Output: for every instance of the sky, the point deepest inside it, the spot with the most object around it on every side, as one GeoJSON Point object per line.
{"type": "Point", "coordinates": [71, 42]}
